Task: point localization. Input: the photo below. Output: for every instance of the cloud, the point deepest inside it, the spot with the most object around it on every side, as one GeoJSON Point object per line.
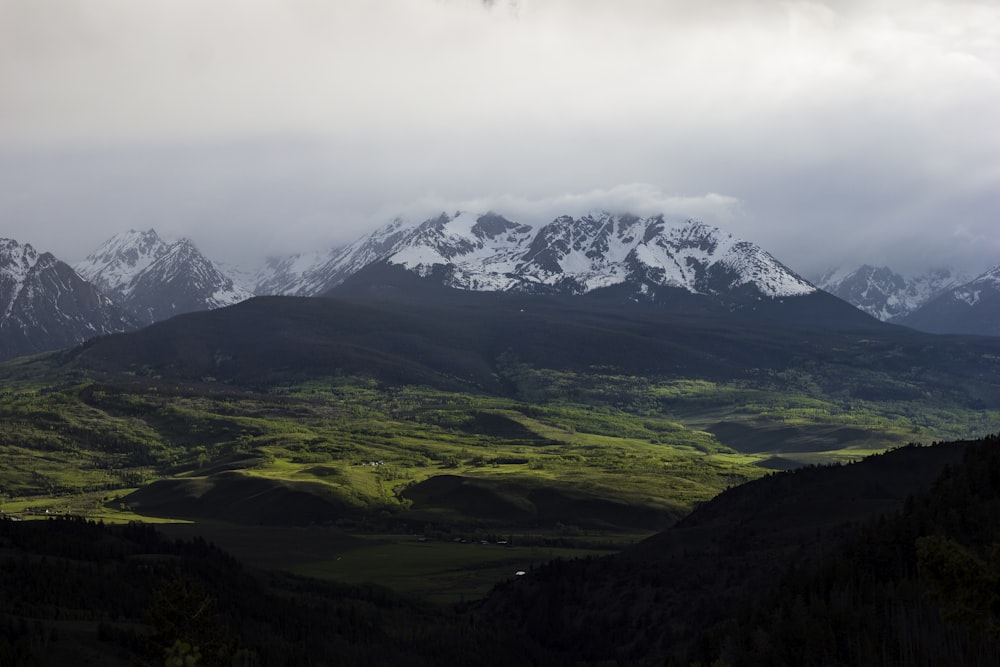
{"type": "Point", "coordinates": [637, 198]}
{"type": "Point", "coordinates": [842, 129]}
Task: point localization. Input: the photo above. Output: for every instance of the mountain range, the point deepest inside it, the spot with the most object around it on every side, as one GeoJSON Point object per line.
{"type": "Point", "coordinates": [136, 278]}
{"type": "Point", "coordinates": [566, 256]}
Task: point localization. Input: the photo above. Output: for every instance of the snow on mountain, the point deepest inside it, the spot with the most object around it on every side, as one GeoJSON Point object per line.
{"type": "Point", "coordinates": [483, 251]}
{"type": "Point", "coordinates": [885, 294]}
{"type": "Point", "coordinates": [114, 265]}
{"type": "Point", "coordinates": [488, 252]}
{"type": "Point", "coordinates": [990, 280]}
{"type": "Point", "coordinates": [579, 255]}
{"type": "Point", "coordinates": [155, 280]}
{"type": "Point", "coordinates": [312, 273]}
{"type": "Point", "coordinates": [290, 275]}
{"type": "Point", "coordinates": [45, 305]}
{"type": "Point", "coordinates": [181, 280]}
{"type": "Point", "coordinates": [970, 308]}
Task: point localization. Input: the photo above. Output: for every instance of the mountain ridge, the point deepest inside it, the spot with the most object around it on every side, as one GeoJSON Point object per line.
{"type": "Point", "coordinates": [488, 252]}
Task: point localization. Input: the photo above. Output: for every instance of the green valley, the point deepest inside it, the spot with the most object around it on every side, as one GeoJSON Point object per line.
{"type": "Point", "coordinates": [536, 422]}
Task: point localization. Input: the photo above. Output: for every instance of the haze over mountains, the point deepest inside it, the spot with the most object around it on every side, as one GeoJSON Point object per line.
{"type": "Point", "coordinates": [136, 278]}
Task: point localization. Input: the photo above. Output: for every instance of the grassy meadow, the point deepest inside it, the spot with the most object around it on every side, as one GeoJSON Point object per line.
{"type": "Point", "coordinates": [565, 466]}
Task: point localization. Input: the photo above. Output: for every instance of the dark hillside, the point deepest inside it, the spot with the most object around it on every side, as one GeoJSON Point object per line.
{"type": "Point", "coordinates": [81, 593]}
{"type": "Point", "coordinates": [790, 539]}
{"type": "Point", "coordinates": [457, 341]}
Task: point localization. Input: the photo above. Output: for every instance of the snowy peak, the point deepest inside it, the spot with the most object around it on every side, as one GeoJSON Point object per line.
{"type": "Point", "coordinates": [472, 245]}
{"type": "Point", "coordinates": [16, 263]}
{"type": "Point", "coordinates": [155, 280]}
{"type": "Point", "coordinates": [568, 255]}
{"type": "Point", "coordinates": [885, 294]}
{"type": "Point", "coordinates": [971, 308]}
{"type": "Point", "coordinates": [990, 278]}
{"type": "Point", "coordinates": [581, 248]}
{"type": "Point", "coordinates": [334, 267]}
{"type": "Point", "coordinates": [705, 260]}
{"type": "Point", "coordinates": [114, 265]}
{"type": "Point", "coordinates": [46, 305]}
{"type": "Point", "coordinates": [972, 292]}
{"type": "Point", "coordinates": [578, 255]}
{"type": "Point", "coordinates": [286, 275]}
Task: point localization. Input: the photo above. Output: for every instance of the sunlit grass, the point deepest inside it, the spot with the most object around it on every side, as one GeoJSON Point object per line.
{"type": "Point", "coordinates": [624, 436]}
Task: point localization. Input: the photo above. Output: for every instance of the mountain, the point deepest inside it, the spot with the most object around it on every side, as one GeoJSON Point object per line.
{"type": "Point", "coordinates": [294, 275]}
{"type": "Point", "coordinates": [972, 308]}
{"type": "Point", "coordinates": [643, 258]}
{"type": "Point", "coordinates": [155, 280]}
{"type": "Point", "coordinates": [313, 273]}
{"type": "Point", "coordinates": [45, 305]}
{"type": "Point", "coordinates": [885, 294]}
{"type": "Point", "coordinates": [119, 259]}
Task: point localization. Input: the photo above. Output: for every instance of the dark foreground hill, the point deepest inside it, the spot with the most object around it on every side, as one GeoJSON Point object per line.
{"type": "Point", "coordinates": [80, 593]}
{"type": "Point", "coordinates": [889, 561]}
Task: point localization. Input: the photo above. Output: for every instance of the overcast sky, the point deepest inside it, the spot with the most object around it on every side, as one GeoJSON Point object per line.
{"type": "Point", "coordinates": [827, 132]}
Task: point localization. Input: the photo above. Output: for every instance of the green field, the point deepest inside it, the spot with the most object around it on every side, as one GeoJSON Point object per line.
{"type": "Point", "coordinates": [592, 456]}
{"type": "Point", "coordinates": [662, 445]}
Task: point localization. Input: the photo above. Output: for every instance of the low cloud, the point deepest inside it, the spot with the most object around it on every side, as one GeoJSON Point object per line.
{"type": "Point", "coordinates": [637, 198]}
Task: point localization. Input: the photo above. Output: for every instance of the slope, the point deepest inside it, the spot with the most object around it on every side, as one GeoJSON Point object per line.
{"type": "Point", "coordinates": [796, 568]}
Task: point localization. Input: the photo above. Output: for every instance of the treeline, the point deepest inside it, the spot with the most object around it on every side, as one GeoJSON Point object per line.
{"type": "Point", "coordinates": [79, 592]}
{"type": "Point", "coordinates": [919, 587]}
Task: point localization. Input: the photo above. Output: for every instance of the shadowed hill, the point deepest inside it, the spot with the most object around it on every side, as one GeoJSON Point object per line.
{"type": "Point", "coordinates": [247, 499]}
{"type": "Point", "coordinates": [655, 598]}
{"type": "Point", "coordinates": [82, 593]}
{"type": "Point", "coordinates": [531, 503]}
{"type": "Point", "coordinates": [455, 340]}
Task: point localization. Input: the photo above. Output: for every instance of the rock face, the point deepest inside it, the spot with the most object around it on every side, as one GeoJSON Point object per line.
{"type": "Point", "coordinates": [885, 294]}
{"type": "Point", "coordinates": [488, 252]}
{"type": "Point", "coordinates": [155, 280]}
{"type": "Point", "coordinates": [46, 305]}
{"type": "Point", "coordinates": [971, 308]}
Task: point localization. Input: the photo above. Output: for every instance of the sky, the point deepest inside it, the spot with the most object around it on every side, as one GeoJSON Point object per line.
{"type": "Point", "coordinates": [829, 133]}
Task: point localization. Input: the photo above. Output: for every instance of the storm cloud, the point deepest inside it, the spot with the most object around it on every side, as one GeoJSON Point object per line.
{"type": "Point", "coordinates": [828, 132]}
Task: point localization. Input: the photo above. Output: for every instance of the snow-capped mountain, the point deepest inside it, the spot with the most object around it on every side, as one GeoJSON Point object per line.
{"type": "Point", "coordinates": [568, 255]}
{"type": "Point", "coordinates": [971, 308]}
{"type": "Point", "coordinates": [120, 259]}
{"type": "Point", "coordinates": [312, 273]}
{"type": "Point", "coordinates": [885, 294]}
{"type": "Point", "coordinates": [292, 275]}
{"type": "Point", "coordinates": [155, 280]}
{"type": "Point", "coordinates": [45, 305]}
